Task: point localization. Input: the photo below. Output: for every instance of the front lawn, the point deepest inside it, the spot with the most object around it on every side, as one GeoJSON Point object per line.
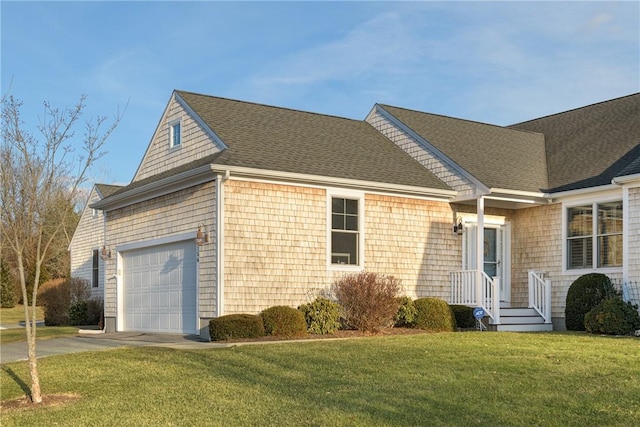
{"type": "Point", "coordinates": [15, 314]}
{"type": "Point", "coordinates": [500, 379]}
{"type": "Point", "coordinates": [43, 332]}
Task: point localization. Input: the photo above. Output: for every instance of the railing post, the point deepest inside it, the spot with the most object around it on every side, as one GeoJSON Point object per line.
{"type": "Point", "coordinates": [495, 301]}
{"type": "Point", "coordinates": [532, 282]}
{"type": "Point", "coordinates": [547, 300]}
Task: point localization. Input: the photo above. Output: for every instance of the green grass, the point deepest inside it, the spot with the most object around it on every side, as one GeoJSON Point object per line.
{"type": "Point", "coordinates": [43, 332]}
{"type": "Point", "coordinates": [472, 379]}
{"type": "Point", "coordinates": [16, 314]}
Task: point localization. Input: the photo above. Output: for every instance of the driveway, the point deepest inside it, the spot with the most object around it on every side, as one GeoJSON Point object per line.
{"type": "Point", "coordinates": [13, 352]}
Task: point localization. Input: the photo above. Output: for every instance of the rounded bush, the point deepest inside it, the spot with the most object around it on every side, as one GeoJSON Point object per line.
{"type": "Point", "coordinates": [612, 317]}
{"type": "Point", "coordinates": [463, 316]}
{"type": "Point", "coordinates": [236, 326]}
{"type": "Point", "coordinates": [283, 321]}
{"type": "Point", "coordinates": [79, 314]}
{"type": "Point", "coordinates": [322, 316]}
{"type": "Point", "coordinates": [433, 315]}
{"type": "Point", "coordinates": [407, 313]}
{"type": "Point", "coordinates": [583, 295]}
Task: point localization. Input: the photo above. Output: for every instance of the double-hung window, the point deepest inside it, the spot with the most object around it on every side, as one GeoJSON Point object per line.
{"type": "Point", "coordinates": [594, 235]}
{"type": "Point", "coordinates": [345, 231]}
{"type": "Point", "coordinates": [95, 270]}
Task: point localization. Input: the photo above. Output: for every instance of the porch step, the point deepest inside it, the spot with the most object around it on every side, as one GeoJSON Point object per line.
{"type": "Point", "coordinates": [521, 319]}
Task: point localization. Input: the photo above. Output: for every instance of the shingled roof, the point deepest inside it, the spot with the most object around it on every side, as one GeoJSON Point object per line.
{"type": "Point", "coordinates": [498, 157]}
{"type": "Point", "coordinates": [279, 139]}
{"type": "Point", "coordinates": [590, 146]}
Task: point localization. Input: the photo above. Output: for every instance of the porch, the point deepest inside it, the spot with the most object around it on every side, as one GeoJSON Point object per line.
{"type": "Point", "coordinates": [474, 288]}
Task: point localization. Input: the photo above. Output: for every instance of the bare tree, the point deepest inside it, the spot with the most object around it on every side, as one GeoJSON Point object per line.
{"type": "Point", "coordinates": [40, 179]}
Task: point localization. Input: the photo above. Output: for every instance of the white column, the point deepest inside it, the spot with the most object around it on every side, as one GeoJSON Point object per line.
{"type": "Point", "coordinates": [626, 234]}
{"type": "Point", "coordinates": [479, 251]}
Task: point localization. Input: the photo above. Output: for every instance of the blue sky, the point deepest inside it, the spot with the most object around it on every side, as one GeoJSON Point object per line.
{"type": "Point", "coordinates": [494, 62]}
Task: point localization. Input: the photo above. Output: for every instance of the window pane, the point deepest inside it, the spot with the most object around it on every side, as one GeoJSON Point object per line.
{"type": "Point", "coordinates": [352, 207]}
{"type": "Point", "coordinates": [610, 218]}
{"type": "Point", "coordinates": [610, 251]}
{"type": "Point", "coordinates": [337, 222]}
{"type": "Point", "coordinates": [351, 223]}
{"type": "Point", "coordinates": [580, 252]}
{"type": "Point", "coordinates": [175, 134]}
{"type": "Point", "coordinates": [344, 248]}
{"type": "Point", "coordinates": [580, 221]}
{"type": "Point", "coordinates": [337, 205]}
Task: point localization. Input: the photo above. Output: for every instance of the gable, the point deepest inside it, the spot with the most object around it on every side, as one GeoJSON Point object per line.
{"type": "Point", "coordinates": [197, 141]}
{"type": "Point", "coordinates": [89, 229]}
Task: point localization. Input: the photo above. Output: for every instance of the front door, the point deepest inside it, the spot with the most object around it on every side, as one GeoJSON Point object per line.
{"type": "Point", "coordinates": [496, 250]}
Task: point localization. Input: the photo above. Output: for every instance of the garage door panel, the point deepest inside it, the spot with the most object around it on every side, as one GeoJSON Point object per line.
{"type": "Point", "coordinates": [160, 288]}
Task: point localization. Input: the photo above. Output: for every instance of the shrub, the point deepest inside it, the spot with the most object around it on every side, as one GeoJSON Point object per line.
{"type": "Point", "coordinates": [283, 321]}
{"type": "Point", "coordinates": [613, 316]}
{"type": "Point", "coordinates": [95, 312]}
{"type": "Point", "coordinates": [583, 295]}
{"type": "Point", "coordinates": [236, 326]}
{"type": "Point", "coordinates": [369, 300]}
{"type": "Point", "coordinates": [433, 315]}
{"type": "Point", "coordinates": [78, 313]}
{"type": "Point", "coordinates": [406, 314]}
{"type": "Point", "coordinates": [79, 289]}
{"type": "Point", "coordinates": [322, 316]}
{"type": "Point", "coordinates": [463, 316]}
{"type": "Point", "coordinates": [7, 293]}
{"type": "Point", "coordinates": [55, 295]}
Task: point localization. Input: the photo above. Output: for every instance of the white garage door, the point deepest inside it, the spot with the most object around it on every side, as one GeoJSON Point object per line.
{"type": "Point", "coordinates": [160, 288]}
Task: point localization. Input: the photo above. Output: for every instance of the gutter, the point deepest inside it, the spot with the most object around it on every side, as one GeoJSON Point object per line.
{"type": "Point", "coordinates": [621, 180]}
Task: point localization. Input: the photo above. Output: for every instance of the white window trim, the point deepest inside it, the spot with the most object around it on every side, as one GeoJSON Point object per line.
{"type": "Point", "coordinates": [594, 256]}
{"type": "Point", "coordinates": [172, 123]}
{"type": "Point", "coordinates": [354, 195]}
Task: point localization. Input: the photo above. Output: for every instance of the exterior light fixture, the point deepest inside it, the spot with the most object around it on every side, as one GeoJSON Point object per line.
{"type": "Point", "coordinates": [202, 236]}
{"type": "Point", "coordinates": [105, 253]}
{"type": "Point", "coordinates": [458, 228]}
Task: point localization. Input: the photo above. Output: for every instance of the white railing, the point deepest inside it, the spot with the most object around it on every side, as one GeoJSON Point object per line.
{"type": "Point", "coordinates": [465, 291]}
{"type": "Point", "coordinates": [540, 294]}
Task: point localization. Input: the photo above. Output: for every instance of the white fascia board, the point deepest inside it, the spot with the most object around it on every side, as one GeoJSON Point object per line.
{"type": "Point", "coordinates": [158, 188]}
{"type": "Point", "coordinates": [628, 179]}
{"type": "Point", "coordinates": [216, 139]}
{"type": "Point", "coordinates": [337, 182]}
{"type": "Point", "coordinates": [521, 193]}
{"type": "Point", "coordinates": [430, 147]}
{"type": "Point", "coordinates": [582, 192]}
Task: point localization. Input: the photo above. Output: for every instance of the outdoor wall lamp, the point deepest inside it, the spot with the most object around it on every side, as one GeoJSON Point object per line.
{"type": "Point", "coordinates": [105, 254]}
{"type": "Point", "coordinates": [202, 236]}
{"type": "Point", "coordinates": [457, 226]}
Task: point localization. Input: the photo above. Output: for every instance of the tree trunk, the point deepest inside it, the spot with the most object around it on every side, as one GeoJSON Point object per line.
{"type": "Point", "coordinates": [30, 326]}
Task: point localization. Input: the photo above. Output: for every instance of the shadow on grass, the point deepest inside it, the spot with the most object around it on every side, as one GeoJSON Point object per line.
{"type": "Point", "coordinates": [12, 374]}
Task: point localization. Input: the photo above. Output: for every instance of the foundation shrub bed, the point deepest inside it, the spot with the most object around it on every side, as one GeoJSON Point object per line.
{"type": "Point", "coordinates": [283, 321]}
{"type": "Point", "coordinates": [369, 300]}
{"type": "Point", "coordinates": [613, 316]}
{"type": "Point", "coordinates": [236, 326]}
{"type": "Point", "coordinates": [322, 316]}
{"type": "Point", "coordinates": [407, 313]}
{"type": "Point", "coordinates": [463, 316]}
{"type": "Point", "coordinates": [584, 294]}
{"type": "Point", "coordinates": [434, 315]}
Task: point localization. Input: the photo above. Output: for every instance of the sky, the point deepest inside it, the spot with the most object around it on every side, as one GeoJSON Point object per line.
{"type": "Point", "coordinates": [493, 62]}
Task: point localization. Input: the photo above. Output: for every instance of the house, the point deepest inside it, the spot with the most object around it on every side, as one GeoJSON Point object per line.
{"type": "Point", "coordinates": [237, 207]}
{"type": "Point", "coordinates": [87, 243]}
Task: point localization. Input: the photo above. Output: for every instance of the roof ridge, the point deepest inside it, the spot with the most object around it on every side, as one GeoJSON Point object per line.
{"type": "Point", "coordinates": [260, 104]}
{"type": "Point", "coordinates": [576, 109]}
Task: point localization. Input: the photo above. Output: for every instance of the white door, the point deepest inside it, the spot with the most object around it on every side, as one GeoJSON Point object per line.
{"type": "Point", "coordinates": [496, 255]}
{"type": "Point", "coordinates": [160, 288]}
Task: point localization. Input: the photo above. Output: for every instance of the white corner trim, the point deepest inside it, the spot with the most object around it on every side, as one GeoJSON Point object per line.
{"type": "Point", "coordinates": [219, 242]}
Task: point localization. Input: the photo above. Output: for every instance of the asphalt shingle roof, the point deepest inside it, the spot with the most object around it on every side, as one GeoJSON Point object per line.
{"type": "Point", "coordinates": [498, 157]}
{"type": "Point", "coordinates": [589, 146]}
{"type": "Point", "coordinates": [280, 139]}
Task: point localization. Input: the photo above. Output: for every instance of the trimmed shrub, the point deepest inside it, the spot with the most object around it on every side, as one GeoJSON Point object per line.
{"type": "Point", "coordinates": [322, 316]}
{"type": "Point", "coordinates": [369, 300]}
{"type": "Point", "coordinates": [55, 296]}
{"type": "Point", "coordinates": [433, 315]}
{"type": "Point", "coordinates": [583, 295]}
{"type": "Point", "coordinates": [7, 293]}
{"type": "Point", "coordinates": [236, 326]}
{"type": "Point", "coordinates": [283, 321]}
{"type": "Point", "coordinates": [95, 312]}
{"type": "Point", "coordinates": [612, 316]}
{"type": "Point", "coordinates": [78, 313]}
{"type": "Point", "coordinates": [463, 316]}
{"type": "Point", "coordinates": [406, 314]}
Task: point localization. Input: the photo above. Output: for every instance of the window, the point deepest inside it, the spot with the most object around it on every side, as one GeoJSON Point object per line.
{"type": "Point", "coordinates": [599, 226]}
{"type": "Point", "coordinates": [345, 233]}
{"type": "Point", "coordinates": [95, 268]}
{"type": "Point", "coordinates": [175, 136]}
